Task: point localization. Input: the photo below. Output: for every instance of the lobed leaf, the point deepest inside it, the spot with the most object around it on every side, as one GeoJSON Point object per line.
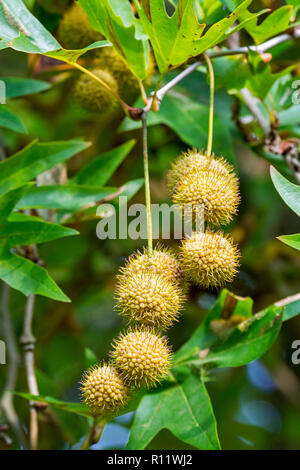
{"type": "Point", "coordinates": [116, 21]}
{"type": "Point", "coordinates": [177, 38]}
{"type": "Point", "coordinates": [183, 407]}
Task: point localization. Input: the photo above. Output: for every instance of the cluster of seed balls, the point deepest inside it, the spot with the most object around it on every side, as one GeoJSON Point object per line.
{"type": "Point", "coordinates": [151, 287]}
{"type": "Point", "coordinates": [106, 64]}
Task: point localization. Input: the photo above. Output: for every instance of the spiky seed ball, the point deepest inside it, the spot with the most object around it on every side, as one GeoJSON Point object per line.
{"type": "Point", "coordinates": [107, 58]}
{"type": "Point", "coordinates": [54, 6]}
{"type": "Point", "coordinates": [142, 356]}
{"type": "Point", "coordinates": [92, 95]}
{"type": "Point", "coordinates": [162, 261]}
{"type": "Point", "coordinates": [75, 31]}
{"type": "Point", "coordinates": [148, 298]}
{"type": "Point", "coordinates": [103, 389]}
{"type": "Point", "coordinates": [209, 259]}
{"type": "Point", "coordinates": [218, 193]}
{"type": "Point", "coordinates": [194, 160]}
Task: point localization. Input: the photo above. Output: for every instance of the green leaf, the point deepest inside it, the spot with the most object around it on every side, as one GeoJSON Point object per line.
{"type": "Point", "coordinates": [67, 197]}
{"type": "Point", "coordinates": [291, 240]}
{"type": "Point", "coordinates": [289, 192]}
{"type": "Point", "coordinates": [290, 117]}
{"type": "Point", "coordinates": [177, 38]}
{"type": "Point", "coordinates": [116, 21]}
{"type": "Point", "coordinates": [292, 309]}
{"type": "Point", "coordinates": [9, 200]}
{"type": "Point", "coordinates": [129, 190]}
{"type": "Point", "coordinates": [35, 159]}
{"type": "Point", "coordinates": [17, 86]}
{"type": "Point", "coordinates": [33, 232]}
{"type": "Point", "coordinates": [261, 79]}
{"type": "Point", "coordinates": [275, 23]}
{"type": "Point", "coordinates": [183, 407]}
{"type": "Point", "coordinates": [10, 120]}
{"type": "Point", "coordinates": [189, 119]}
{"type": "Point", "coordinates": [231, 72]}
{"type": "Point", "coordinates": [99, 171]}
{"type": "Point", "coordinates": [90, 358]}
{"type": "Point", "coordinates": [237, 346]}
{"type": "Point", "coordinates": [77, 408]}
{"type": "Point", "coordinates": [27, 277]}
{"type": "Point", "coordinates": [20, 30]}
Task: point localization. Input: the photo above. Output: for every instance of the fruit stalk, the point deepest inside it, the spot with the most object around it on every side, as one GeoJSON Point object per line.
{"type": "Point", "coordinates": [147, 183]}
{"type": "Point", "coordinates": [211, 104]}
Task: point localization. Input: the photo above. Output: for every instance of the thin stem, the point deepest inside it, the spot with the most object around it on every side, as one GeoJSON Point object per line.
{"type": "Point", "coordinates": [147, 183]}
{"type": "Point", "coordinates": [105, 85]}
{"type": "Point", "coordinates": [94, 434]}
{"type": "Point", "coordinates": [211, 105]}
{"type": "Point", "coordinates": [28, 342]}
{"type": "Point", "coordinates": [6, 402]}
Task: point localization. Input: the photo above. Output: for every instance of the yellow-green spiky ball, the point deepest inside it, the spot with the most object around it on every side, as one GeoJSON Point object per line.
{"type": "Point", "coordinates": [75, 31]}
{"type": "Point", "coordinates": [142, 356]}
{"type": "Point", "coordinates": [162, 261]}
{"type": "Point", "coordinates": [217, 192]}
{"type": "Point", "coordinates": [148, 298]}
{"type": "Point", "coordinates": [209, 259]}
{"type": "Point", "coordinates": [196, 160]}
{"type": "Point", "coordinates": [107, 58]}
{"type": "Point", "coordinates": [103, 390]}
{"type": "Point", "coordinates": [92, 95]}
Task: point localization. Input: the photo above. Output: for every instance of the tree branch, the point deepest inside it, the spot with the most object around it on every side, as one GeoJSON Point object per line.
{"type": "Point", "coordinates": [6, 403]}
{"type": "Point", "coordinates": [222, 53]}
{"type": "Point", "coordinates": [28, 342]}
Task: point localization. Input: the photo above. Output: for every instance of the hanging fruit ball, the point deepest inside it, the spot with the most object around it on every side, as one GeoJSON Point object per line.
{"type": "Point", "coordinates": [107, 58]}
{"type": "Point", "coordinates": [194, 160]}
{"type": "Point", "coordinates": [162, 261]}
{"type": "Point", "coordinates": [217, 192]}
{"type": "Point", "coordinates": [148, 298]}
{"type": "Point", "coordinates": [75, 31]}
{"type": "Point", "coordinates": [103, 390]}
{"type": "Point", "coordinates": [142, 356]}
{"type": "Point", "coordinates": [209, 259]}
{"type": "Point", "coordinates": [94, 96]}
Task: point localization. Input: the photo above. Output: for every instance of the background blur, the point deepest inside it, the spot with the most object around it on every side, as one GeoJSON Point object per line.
{"type": "Point", "coordinates": [258, 406]}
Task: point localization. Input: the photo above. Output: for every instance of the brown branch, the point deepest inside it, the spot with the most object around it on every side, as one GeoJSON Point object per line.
{"type": "Point", "coordinates": [287, 300]}
{"type": "Point", "coordinates": [6, 402]}
{"type": "Point", "coordinates": [28, 342]}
